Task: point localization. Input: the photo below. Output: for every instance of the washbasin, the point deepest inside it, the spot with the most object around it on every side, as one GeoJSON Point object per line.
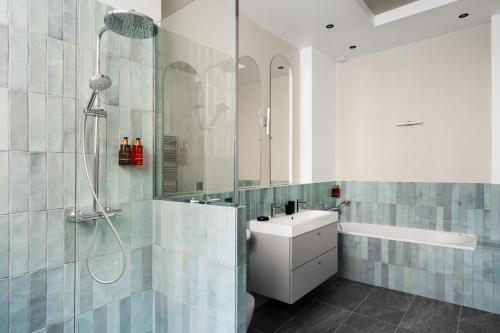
{"type": "Point", "coordinates": [294, 225]}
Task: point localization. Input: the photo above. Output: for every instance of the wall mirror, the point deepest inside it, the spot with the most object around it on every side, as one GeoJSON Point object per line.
{"type": "Point", "coordinates": [183, 153]}
{"type": "Point", "coordinates": [280, 121]}
{"type": "Point", "coordinates": [249, 127]}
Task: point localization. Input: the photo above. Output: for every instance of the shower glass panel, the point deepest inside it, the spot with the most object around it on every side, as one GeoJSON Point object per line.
{"type": "Point", "coordinates": [196, 103]}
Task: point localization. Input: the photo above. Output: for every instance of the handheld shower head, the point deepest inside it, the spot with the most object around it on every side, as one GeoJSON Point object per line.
{"type": "Point", "coordinates": [100, 82]}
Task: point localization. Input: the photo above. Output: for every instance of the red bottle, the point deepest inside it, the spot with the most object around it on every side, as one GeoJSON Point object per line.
{"type": "Point", "coordinates": [136, 155]}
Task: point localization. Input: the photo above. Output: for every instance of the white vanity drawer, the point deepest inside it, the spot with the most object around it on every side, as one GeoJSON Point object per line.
{"type": "Point", "coordinates": [309, 276]}
{"type": "Point", "coordinates": [308, 246]}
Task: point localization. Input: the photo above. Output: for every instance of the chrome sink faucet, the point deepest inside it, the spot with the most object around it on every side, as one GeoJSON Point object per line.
{"type": "Point", "coordinates": [299, 202]}
{"type": "Point", "coordinates": [273, 209]}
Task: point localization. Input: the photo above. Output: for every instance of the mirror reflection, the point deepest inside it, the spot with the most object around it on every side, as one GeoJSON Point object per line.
{"type": "Point", "coordinates": [183, 153]}
{"type": "Point", "coordinates": [250, 113]}
{"type": "Point", "coordinates": [281, 121]}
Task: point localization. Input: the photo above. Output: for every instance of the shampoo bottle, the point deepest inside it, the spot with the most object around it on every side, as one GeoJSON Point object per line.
{"type": "Point", "coordinates": [137, 153]}
{"type": "Point", "coordinates": [125, 152]}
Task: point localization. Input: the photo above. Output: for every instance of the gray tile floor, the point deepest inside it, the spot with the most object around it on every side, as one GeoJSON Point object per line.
{"type": "Point", "coordinates": [343, 306]}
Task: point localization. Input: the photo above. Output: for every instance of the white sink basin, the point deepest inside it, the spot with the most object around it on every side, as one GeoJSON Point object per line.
{"type": "Point", "coordinates": [296, 224]}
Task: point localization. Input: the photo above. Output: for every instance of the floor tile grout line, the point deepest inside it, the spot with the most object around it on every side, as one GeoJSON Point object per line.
{"type": "Point", "coordinates": [408, 309]}
{"type": "Point", "coordinates": [364, 299]}
{"type": "Point", "coordinates": [255, 329]}
{"type": "Point", "coordinates": [376, 319]}
{"type": "Point", "coordinates": [459, 316]}
{"type": "Point", "coordinates": [295, 315]}
{"type": "Point", "coordinates": [343, 322]}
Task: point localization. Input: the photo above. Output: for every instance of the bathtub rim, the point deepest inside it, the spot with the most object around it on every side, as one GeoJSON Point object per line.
{"type": "Point", "coordinates": [473, 238]}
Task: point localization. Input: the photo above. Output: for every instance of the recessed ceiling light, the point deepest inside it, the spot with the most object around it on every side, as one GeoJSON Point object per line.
{"type": "Point", "coordinates": [281, 67]}
{"type": "Point", "coordinates": [330, 26]}
{"type": "Point", "coordinates": [353, 47]}
{"type": "Point", "coordinates": [464, 15]}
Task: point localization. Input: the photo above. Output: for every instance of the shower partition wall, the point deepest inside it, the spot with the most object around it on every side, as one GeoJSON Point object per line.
{"type": "Point", "coordinates": [199, 264]}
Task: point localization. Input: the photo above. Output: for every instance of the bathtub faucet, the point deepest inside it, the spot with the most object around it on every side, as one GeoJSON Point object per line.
{"type": "Point", "coordinates": [341, 204]}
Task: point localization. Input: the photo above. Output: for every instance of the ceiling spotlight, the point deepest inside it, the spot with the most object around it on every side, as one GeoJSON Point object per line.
{"type": "Point", "coordinates": [464, 15]}
{"type": "Point", "coordinates": [353, 47]}
{"type": "Point", "coordinates": [281, 67]}
{"type": "Point", "coordinates": [330, 26]}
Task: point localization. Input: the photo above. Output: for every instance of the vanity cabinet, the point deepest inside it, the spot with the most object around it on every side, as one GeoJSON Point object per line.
{"type": "Point", "coordinates": [287, 268]}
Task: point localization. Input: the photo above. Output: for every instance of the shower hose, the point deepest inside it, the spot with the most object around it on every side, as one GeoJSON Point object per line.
{"type": "Point", "coordinates": [104, 214]}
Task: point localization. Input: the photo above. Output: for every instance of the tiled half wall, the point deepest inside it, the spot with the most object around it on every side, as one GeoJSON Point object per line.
{"type": "Point", "coordinates": [470, 278]}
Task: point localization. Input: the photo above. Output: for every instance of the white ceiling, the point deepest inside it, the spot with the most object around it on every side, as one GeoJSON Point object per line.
{"type": "Point", "coordinates": [302, 23]}
{"type": "Point", "coordinates": [380, 6]}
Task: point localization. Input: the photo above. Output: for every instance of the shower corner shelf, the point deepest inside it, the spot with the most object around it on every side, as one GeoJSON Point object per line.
{"type": "Point", "coordinates": [79, 217]}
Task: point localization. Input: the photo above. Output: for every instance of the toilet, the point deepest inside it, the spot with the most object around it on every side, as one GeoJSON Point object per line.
{"type": "Point", "coordinates": [250, 299]}
{"type": "Point", "coordinates": [250, 308]}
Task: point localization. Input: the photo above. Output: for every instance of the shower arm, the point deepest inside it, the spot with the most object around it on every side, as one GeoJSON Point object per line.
{"type": "Point", "coordinates": [98, 50]}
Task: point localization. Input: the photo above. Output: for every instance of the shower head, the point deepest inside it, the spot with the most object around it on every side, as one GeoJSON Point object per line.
{"type": "Point", "coordinates": [131, 24]}
{"type": "Point", "coordinates": [100, 82]}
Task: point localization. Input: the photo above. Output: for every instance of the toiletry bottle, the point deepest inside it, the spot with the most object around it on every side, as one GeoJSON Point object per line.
{"type": "Point", "coordinates": [137, 153]}
{"type": "Point", "coordinates": [124, 154]}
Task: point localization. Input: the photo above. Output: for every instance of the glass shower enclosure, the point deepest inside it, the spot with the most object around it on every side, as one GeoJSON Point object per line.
{"type": "Point", "coordinates": [184, 264]}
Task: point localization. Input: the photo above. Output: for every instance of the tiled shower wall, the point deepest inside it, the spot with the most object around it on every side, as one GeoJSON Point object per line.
{"type": "Point", "coordinates": [199, 268]}
{"type": "Point", "coordinates": [46, 60]}
{"type": "Point", "coordinates": [471, 278]}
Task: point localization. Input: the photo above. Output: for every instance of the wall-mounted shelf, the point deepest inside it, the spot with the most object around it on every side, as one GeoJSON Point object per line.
{"type": "Point", "coordinates": [410, 123]}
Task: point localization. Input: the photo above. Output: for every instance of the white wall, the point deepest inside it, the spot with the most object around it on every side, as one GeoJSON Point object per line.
{"type": "Point", "coordinates": [317, 116]}
{"type": "Point", "coordinates": [445, 82]}
{"type": "Point", "coordinates": [152, 8]}
{"type": "Point", "coordinates": [262, 46]}
{"type": "Point", "coordinates": [495, 100]}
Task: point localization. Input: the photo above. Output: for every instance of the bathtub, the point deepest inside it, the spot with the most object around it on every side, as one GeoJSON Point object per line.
{"type": "Point", "coordinates": [453, 240]}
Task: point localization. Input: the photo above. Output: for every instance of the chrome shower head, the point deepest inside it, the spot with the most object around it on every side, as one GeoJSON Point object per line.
{"type": "Point", "coordinates": [100, 82]}
{"type": "Point", "coordinates": [131, 24]}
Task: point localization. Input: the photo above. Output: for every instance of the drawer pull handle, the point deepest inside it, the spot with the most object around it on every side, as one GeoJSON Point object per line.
{"type": "Point", "coordinates": [319, 262]}
{"type": "Point", "coordinates": [319, 233]}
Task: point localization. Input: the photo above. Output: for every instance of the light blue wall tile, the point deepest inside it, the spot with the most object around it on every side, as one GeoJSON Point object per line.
{"type": "Point", "coordinates": [55, 292]}
{"type": "Point", "coordinates": [38, 300]}
{"type": "Point", "coordinates": [4, 12]}
{"type": "Point", "coordinates": [113, 319]}
{"type": "Point", "coordinates": [69, 291]}
{"type": "Point", "coordinates": [100, 318]}
{"type": "Point", "coordinates": [4, 182]}
{"type": "Point", "coordinates": [54, 124]}
{"type": "Point", "coordinates": [37, 122]}
{"type": "Point", "coordinates": [4, 309]}
{"type": "Point", "coordinates": [55, 187]}
{"type": "Point", "coordinates": [19, 243]}
{"type": "Point", "coordinates": [136, 313]}
{"type": "Point", "coordinates": [124, 91]}
{"type": "Point", "coordinates": [85, 322]}
{"type": "Point", "coordinates": [38, 62]}
{"type": "Point", "coordinates": [38, 182]}
{"type": "Point", "coordinates": [55, 66]}
{"type": "Point", "coordinates": [38, 240]}
{"type": "Point", "coordinates": [19, 302]}
{"type": "Point", "coordinates": [38, 16]}
{"type": "Point", "coordinates": [18, 119]}
{"type": "Point", "coordinates": [4, 114]}
{"type": "Point", "coordinates": [70, 21]}
{"type": "Point", "coordinates": [4, 246]}
{"type": "Point", "coordinates": [70, 70]}
{"type": "Point", "coordinates": [99, 268]}
{"type": "Point", "coordinates": [4, 54]}
{"type": "Point", "coordinates": [69, 125]}
{"type": "Point", "coordinates": [125, 315]}
{"type": "Point", "coordinates": [18, 57]}
{"type": "Point", "coordinates": [55, 15]}
{"type": "Point", "coordinates": [147, 88]}
{"type": "Point", "coordinates": [18, 10]}
{"type": "Point", "coordinates": [69, 180]}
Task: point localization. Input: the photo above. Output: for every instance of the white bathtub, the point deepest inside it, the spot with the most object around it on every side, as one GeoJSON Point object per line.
{"type": "Point", "coordinates": [419, 236]}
